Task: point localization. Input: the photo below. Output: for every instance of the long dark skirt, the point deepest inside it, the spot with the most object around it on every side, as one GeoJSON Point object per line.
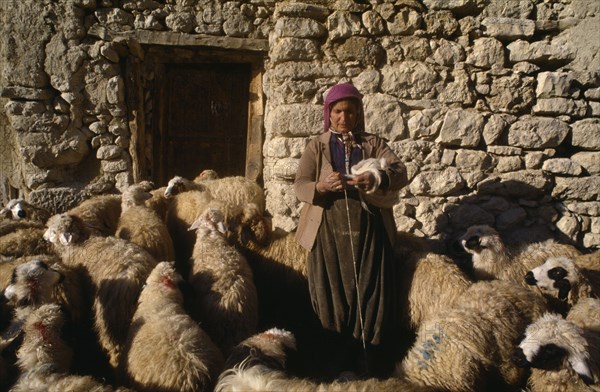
{"type": "Point", "coordinates": [331, 273]}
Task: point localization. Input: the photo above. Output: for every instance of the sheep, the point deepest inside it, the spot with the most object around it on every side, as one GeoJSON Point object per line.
{"type": "Point", "coordinates": [142, 226]}
{"type": "Point", "coordinates": [115, 271]}
{"type": "Point", "coordinates": [492, 259]}
{"type": "Point", "coordinates": [469, 346]}
{"type": "Point", "coordinates": [589, 261]}
{"type": "Point", "coordinates": [237, 191]}
{"type": "Point", "coordinates": [22, 238]}
{"type": "Point", "coordinates": [586, 314]}
{"type": "Point", "coordinates": [259, 364]}
{"type": "Point", "coordinates": [21, 209]}
{"type": "Point", "coordinates": [222, 281]}
{"type": "Point", "coordinates": [99, 213]}
{"type": "Point", "coordinates": [166, 349]}
{"type": "Point", "coordinates": [560, 278]}
{"type": "Point", "coordinates": [562, 356]}
{"type": "Point", "coordinates": [183, 211]}
{"type": "Point", "coordinates": [178, 184]}
{"type": "Point", "coordinates": [430, 283]}
{"type": "Point", "coordinates": [206, 174]}
{"type": "Point", "coordinates": [45, 358]}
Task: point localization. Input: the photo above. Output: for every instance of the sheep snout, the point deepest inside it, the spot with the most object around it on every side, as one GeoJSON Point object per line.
{"type": "Point", "coordinates": [530, 279]}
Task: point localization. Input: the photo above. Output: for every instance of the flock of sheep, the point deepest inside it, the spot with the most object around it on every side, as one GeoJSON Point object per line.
{"type": "Point", "coordinates": [187, 288]}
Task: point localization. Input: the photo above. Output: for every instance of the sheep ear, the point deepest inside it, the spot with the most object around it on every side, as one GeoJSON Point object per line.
{"type": "Point", "coordinates": [581, 367]}
{"type": "Point", "coordinates": [195, 225]}
{"type": "Point", "coordinates": [221, 227]}
{"type": "Point", "coordinates": [66, 238]}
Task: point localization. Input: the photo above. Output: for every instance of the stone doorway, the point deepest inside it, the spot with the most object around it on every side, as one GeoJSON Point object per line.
{"type": "Point", "coordinates": [202, 120]}
{"type": "Point", "coordinates": [193, 109]}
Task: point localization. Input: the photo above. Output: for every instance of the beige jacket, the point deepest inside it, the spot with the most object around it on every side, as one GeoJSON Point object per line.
{"type": "Point", "coordinates": [315, 163]}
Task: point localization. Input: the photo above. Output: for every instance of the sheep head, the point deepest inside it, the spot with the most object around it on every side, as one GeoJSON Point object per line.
{"type": "Point", "coordinates": [486, 248]}
{"type": "Point", "coordinates": [558, 277]}
{"type": "Point", "coordinates": [32, 283]}
{"type": "Point", "coordinates": [552, 343]}
{"type": "Point", "coordinates": [165, 281]}
{"type": "Point", "coordinates": [211, 221]}
{"type": "Point", "coordinates": [64, 229]}
{"type": "Point", "coordinates": [270, 348]}
{"type": "Point", "coordinates": [135, 195]}
{"type": "Point", "coordinates": [207, 174]}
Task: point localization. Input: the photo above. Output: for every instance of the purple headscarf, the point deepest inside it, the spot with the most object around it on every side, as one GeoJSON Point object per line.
{"type": "Point", "coordinates": [339, 92]}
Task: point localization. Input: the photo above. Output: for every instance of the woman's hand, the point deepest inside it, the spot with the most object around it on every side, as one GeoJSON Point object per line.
{"type": "Point", "coordinates": [334, 182]}
{"type": "Point", "coordinates": [364, 181]}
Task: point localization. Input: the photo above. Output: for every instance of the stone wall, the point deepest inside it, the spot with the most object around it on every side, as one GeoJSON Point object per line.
{"type": "Point", "coordinates": [494, 105]}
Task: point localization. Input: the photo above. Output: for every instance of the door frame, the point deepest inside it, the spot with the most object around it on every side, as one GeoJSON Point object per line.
{"type": "Point", "coordinates": [139, 86]}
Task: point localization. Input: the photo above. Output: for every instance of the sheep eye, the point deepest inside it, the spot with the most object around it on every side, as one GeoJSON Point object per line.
{"type": "Point", "coordinates": [557, 273]}
{"type": "Point", "coordinates": [41, 264]}
{"type": "Point", "coordinates": [472, 242]}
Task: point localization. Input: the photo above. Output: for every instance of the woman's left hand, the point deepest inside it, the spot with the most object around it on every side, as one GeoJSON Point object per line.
{"type": "Point", "coordinates": [362, 181]}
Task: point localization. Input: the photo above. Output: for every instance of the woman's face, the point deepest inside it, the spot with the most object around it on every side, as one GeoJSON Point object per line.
{"type": "Point", "coordinates": [343, 115]}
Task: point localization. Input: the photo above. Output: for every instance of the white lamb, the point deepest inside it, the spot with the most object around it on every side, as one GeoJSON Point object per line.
{"type": "Point", "coordinates": [469, 347]}
{"type": "Point", "coordinates": [225, 298]}
{"type": "Point", "coordinates": [492, 259]}
{"type": "Point", "coordinates": [563, 357]}
{"type": "Point", "coordinates": [115, 271]}
{"type": "Point", "coordinates": [142, 226]}
{"type": "Point", "coordinates": [166, 349]}
{"type": "Point", "coordinates": [21, 209]}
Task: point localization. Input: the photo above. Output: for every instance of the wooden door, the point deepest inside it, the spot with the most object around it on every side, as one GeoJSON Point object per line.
{"type": "Point", "coordinates": [203, 120]}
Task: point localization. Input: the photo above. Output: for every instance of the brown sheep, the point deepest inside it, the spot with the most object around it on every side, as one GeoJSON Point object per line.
{"type": "Point", "coordinates": [166, 349]}
{"type": "Point", "coordinates": [115, 272]}
{"type": "Point", "coordinates": [142, 226]}
{"type": "Point", "coordinates": [225, 298]}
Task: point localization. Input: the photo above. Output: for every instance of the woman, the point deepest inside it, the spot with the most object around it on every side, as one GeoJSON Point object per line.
{"type": "Point", "coordinates": [351, 269]}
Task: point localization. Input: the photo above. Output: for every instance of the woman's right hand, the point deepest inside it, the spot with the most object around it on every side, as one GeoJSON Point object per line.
{"type": "Point", "coordinates": [334, 182]}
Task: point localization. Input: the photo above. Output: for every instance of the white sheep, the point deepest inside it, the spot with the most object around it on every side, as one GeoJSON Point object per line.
{"type": "Point", "coordinates": [236, 191]}
{"type": "Point", "coordinates": [589, 261]}
{"type": "Point", "coordinates": [469, 346]}
{"type": "Point", "coordinates": [45, 358]}
{"type": "Point", "coordinates": [115, 271]}
{"type": "Point", "coordinates": [166, 349]}
{"type": "Point", "coordinates": [586, 314]}
{"type": "Point", "coordinates": [559, 277]}
{"type": "Point", "coordinates": [21, 209]}
{"type": "Point", "coordinates": [563, 357]}
{"type": "Point", "coordinates": [99, 213]}
{"type": "Point", "coordinates": [142, 226]}
{"type": "Point", "coordinates": [492, 259]}
{"type": "Point", "coordinates": [225, 298]}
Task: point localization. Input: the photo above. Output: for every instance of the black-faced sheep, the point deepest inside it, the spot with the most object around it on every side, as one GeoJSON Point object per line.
{"type": "Point", "coordinates": [45, 358]}
{"type": "Point", "coordinates": [100, 214]}
{"type": "Point", "coordinates": [225, 298]}
{"type": "Point", "coordinates": [469, 346]}
{"type": "Point", "coordinates": [142, 226]}
{"type": "Point", "coordinates": [166, 349]}
{"type": "Point", "coordinates": [562, 356]}
{"type": "Point", "coordinates": [21, 209]}
{"type": "Point", "coordinates": [115, 271]}
{"type": "Point", "coordinates": [492, 259]}
{"type": "Point", "coordinates": [559, 277]}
